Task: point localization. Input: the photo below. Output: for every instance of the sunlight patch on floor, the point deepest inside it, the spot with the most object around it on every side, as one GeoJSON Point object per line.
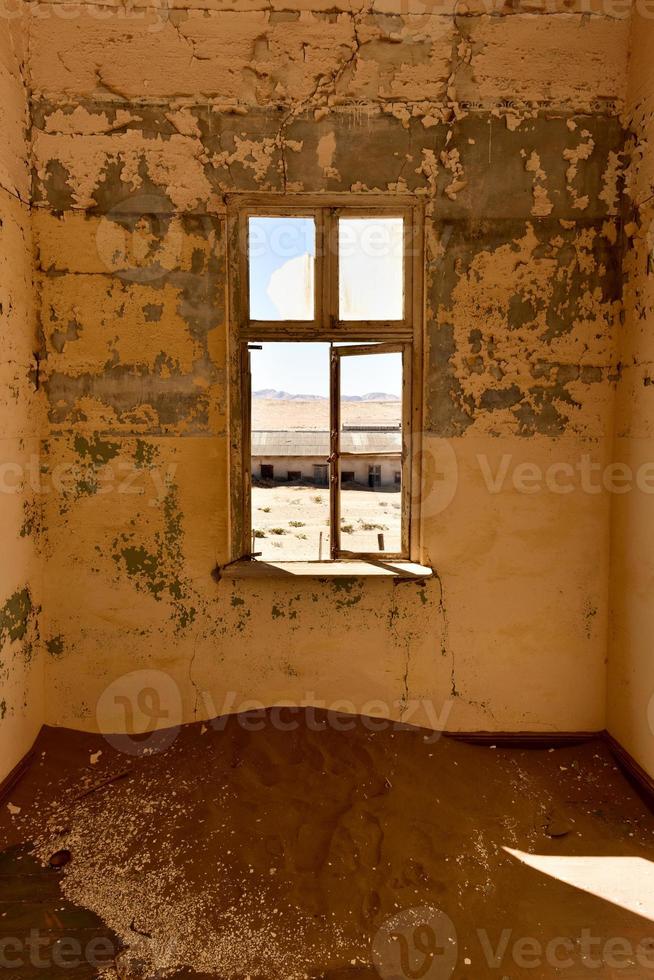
{"type": "Point", "coordinates": [625, 881]}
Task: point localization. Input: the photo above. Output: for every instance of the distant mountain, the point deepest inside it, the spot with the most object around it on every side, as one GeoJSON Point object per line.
{"type": "Point", "coordinates": [374, 396]}
{"type": "Point", "coordinates": [285, 396]}
{"type": "Point", "coordinates": [274, 394]}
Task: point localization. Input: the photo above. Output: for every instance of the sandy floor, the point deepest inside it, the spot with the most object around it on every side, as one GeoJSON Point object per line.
{"type": "Point", "coordinates": [288, 521]}
{"type": "Point", "coordinates": [245, 850]}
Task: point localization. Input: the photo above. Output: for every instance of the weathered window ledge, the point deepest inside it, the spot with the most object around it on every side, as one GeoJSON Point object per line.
{"type": "Point", "coordinates": [350, 568]}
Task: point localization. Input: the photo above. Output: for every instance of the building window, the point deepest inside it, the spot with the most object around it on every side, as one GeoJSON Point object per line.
{"type": "Point", "coordinates": [326, 338]}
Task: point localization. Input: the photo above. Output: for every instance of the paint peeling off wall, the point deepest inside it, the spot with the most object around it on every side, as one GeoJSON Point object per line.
{"type": "Point", "coordinates": [552, 371]}
{"type": "Point", "coordinates": [133, 320]}
{"type": "Point", "coordinates": [631, 669]}
{"type": "Point", "coordinates": [21, 666]}
{"type": "Point", "coordinates": [507, 130]}
{"type": "Point", "coordinates": [14, 165]}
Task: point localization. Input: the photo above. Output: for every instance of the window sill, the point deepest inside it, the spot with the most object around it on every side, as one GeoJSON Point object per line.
{"type": "Point", "coordinates": [346, 568]}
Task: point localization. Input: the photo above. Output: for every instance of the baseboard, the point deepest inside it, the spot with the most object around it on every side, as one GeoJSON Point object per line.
{"type": "Point", "coordinates": [16, 774]}
{"type": "Point", "coordinates": [637, 776]}
{"type": "Point", "coordinates": [525, 740]}
{"type": "Point", "coordinates": [642, 782]}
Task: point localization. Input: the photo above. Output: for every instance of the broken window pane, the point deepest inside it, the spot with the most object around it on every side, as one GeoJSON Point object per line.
{"type": "Point", "coordinates": [371, 268]}
{"type": "Point", "coordinates": [281, 255]}
{"type": "Point", "coordinates": [290, 450]}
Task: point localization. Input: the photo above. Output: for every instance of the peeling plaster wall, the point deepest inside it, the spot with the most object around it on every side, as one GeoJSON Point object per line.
{"type": "Point", "coordinates": [507, 128]}
{"type": "Point", "coordinates": [21, 666]}
{"type": "Point", "coordinates": [631, 666]}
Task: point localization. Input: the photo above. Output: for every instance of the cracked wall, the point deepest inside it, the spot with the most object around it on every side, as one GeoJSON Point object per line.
{"type": "Point", "coordinates": [631, 673]}
{"type": "Point", "coordinates": [21, 667]}
{"type": "Point", "coordinates": [507, 129]}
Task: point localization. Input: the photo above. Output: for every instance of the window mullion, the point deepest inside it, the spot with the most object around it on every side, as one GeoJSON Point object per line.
{"type": "Point", "coordinates": [247, 543]}
{"type": "Point", "coordinates": [334, 450]}
{"type": "Point", "coordinates": [331, 267]}
{"type": "Point", "coordinates": [407, 457]}
{"type": "Point", "coordinates": [321, 311]}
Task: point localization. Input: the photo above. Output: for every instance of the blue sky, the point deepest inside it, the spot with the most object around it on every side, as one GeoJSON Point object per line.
{"type": "Point", "coordinates": [272, 243]}
{"type": "Point", "coordinates": [303, 369]}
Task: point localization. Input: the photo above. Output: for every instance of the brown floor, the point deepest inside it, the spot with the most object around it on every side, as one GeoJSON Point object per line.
{"type": "Point", "coordinates": [311, 853]}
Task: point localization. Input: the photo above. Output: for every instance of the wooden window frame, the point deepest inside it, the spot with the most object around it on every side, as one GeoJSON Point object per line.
{"type": "Point", "coordinates": [404, 335]}
{"type": "Point", "coordinates": [371, 349]}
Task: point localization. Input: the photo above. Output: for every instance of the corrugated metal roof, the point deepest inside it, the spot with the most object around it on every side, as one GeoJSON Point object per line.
{"type": "Point", "coordinates": [289, 443]}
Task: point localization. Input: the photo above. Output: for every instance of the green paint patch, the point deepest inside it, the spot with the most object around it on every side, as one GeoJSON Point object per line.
{"type": "Point", "coordinates": [237, 601]}
{"type": "Point", "coordinates": [3, 709]}
{"type": "Point", "coordinates": [185, 615]}
{"type": "Point", "coordinates": [31, 520]}
{"type": "Point", "coordinates": [18, 622]}
{"type": "Point", "coordinates": [144, 454]}
{"type": "Point", "coordinates": [344, 589]}
{"type": "Point", "coordinates": [157, 570]}
{"type": "Point", "coordinates": [98, 450]}
{"type": "Point", "coordinates": [152, 312]}
{"type": "Point", "coordinates": [15, 616]}
{"type": "Point", "coordinates": [55, 645]}
{"type": "Point", "coordinates": [243, 621]}
{"type": "Point", "coordinates": [86, 486]}
{"type": "Point", "coordinates": [141, 562]}
{"type": "Point", "coordinates": [277, 613]}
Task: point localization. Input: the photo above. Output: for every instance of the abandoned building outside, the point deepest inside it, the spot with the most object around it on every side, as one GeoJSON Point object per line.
{"type": "Point", "coordinates": [519, 595]}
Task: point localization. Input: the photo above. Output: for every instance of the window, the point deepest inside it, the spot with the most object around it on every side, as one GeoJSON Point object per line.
{"type": "Point", "coordinates": [374, 476]}
{"type": "Point", "coordinates": [281, 268]}
{"type": "Point", "coordinates": [326, 340]}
